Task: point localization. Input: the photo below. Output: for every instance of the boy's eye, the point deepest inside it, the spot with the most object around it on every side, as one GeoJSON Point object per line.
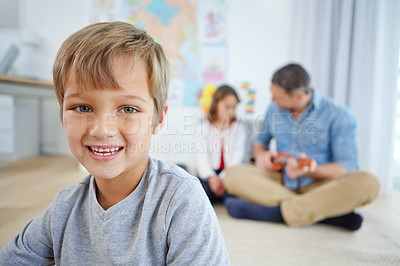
{"type": "Point", "coordinates": [128, 110]}
{"type": "Point", "coordinates": [83, 109]}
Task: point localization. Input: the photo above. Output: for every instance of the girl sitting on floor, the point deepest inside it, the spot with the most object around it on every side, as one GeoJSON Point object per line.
{"type": "Point", "coordinates": [222, 140]}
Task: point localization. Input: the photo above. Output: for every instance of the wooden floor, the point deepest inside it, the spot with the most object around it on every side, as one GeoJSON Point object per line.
{"type": "Point", "coordinates": [27, 187]}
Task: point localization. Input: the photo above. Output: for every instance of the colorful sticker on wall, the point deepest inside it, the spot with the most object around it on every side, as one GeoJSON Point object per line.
{"type": "Point", "coordinates": [213, 63]}
{"type": "Point", "coordinates": [212, 21]}
{"type": "Point", "coordinates": [250, 97]}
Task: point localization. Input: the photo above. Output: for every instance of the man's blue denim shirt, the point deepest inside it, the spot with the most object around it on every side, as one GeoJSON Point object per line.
{"type": "Point", "coordinates": [325, 131]}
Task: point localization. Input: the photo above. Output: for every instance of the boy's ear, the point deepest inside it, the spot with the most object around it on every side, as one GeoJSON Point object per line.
{"type": "Point", "coordinates": [161, 120]}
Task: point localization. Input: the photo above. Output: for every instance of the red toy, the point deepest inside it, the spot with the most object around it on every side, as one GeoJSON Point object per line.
{"type": "Point", "coordinates": [306, 164]}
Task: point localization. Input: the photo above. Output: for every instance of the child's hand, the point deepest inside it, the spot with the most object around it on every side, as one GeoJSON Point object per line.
{"type": "Point", "coordinates": [216, 185]}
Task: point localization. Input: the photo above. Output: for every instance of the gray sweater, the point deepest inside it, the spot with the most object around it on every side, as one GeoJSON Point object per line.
{"type": "Point", "coordinates": [167, 219]}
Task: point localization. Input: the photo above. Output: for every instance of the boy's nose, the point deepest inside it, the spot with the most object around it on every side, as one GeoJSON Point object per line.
{"type": "Point", "coordinates": [103, 126]}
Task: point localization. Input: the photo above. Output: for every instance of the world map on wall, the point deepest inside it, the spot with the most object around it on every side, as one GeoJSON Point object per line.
{"type": "Point", "coordinates": [174, 27]}
{"type": "Point", "coordinates": [173, 24]}
{"type": "Point", "coordinates": [163, 11]}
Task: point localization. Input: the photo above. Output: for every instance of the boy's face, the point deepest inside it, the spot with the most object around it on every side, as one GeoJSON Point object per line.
{"type": "Point", "coordinates": [108, 130]}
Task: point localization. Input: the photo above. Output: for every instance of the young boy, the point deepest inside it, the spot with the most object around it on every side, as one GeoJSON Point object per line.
{"type": "Point", "coordinates": [111, 82]}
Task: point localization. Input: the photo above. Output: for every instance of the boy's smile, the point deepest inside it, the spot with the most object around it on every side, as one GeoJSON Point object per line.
{"type": "Point", "coordinates": [104, 153]}
{"type": "Point", "coordinates": [109, 130]}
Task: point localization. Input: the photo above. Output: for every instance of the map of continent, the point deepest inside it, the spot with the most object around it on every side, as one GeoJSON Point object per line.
{"type": "Point", "coordinates": [173, 24]}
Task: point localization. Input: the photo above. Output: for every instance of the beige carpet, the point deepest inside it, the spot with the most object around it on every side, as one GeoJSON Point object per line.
{"type": "Point", "coordinates": [260, 243]}
{"type": "Point", "coordinates": [27, 187]}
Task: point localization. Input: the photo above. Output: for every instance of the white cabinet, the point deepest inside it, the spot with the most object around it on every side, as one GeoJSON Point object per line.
{"type": "Point", "coordinates": [19, 127]}
{"type": "Point", "coordinates": [52, 137]}
{"type": "Point", "coordinates": [6, 124]}
{"type": "Point", "coordinates": [29, 119]}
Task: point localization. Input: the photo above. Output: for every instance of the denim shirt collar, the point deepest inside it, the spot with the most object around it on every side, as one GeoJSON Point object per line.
{"type": "Point", "coordinates": [316, 100]}
{"type": "Point", "coordinates": [313, 105]}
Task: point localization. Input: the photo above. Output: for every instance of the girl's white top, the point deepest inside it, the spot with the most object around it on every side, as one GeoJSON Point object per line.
{"type": "Point", "coordinates": [208, 150]}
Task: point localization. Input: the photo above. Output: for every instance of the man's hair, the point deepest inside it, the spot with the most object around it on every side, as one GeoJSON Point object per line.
{"type": "Point", "coordinates": [291, 78]}
{"type": "Point", "coordinates": [219, 94]}
{"type": "Point", "coordinates": [90, 54]}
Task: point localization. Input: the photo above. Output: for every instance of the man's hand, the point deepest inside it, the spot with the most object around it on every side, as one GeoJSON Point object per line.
{"type": "Point", "coordinates": [216, 185]}
{"type": "Point", "coordinates": [264, 159]}
{"type": "Point", "coordinates": [292, 167]}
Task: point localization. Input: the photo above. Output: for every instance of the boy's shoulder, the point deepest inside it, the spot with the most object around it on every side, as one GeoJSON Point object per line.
{"type": "Point", "coordinates": [160, 168]}
{"type": "Point", "coordinates": [171, 183]}
{"type": "Point", "coordinates": [170, 177]}
{"type": "Point", "coordinates": [72, 193]}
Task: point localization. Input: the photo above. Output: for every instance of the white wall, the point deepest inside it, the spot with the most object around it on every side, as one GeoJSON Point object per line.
{"type": "Point", "coordinates": [259, 34]}
{"type": "Point", "coordinates": [52, 21]}
{"type": "Point", "coordinates": [44, 25]}
{"type": "Point", "coordinates": [258, 42]}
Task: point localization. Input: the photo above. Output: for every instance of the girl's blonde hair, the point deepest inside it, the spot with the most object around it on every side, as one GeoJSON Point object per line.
{"type": "Point", "coordinates": [90, 54]}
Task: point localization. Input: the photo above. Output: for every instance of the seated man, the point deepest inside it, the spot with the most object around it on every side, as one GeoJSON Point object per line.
{"type": "Point", "coordinates": [304, 125]}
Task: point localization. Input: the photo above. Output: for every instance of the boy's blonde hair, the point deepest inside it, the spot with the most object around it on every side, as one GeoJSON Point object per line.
{"type": "Point", "coordinates": [91, 51]}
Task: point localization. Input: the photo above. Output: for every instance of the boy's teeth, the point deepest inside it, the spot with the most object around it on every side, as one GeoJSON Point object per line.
{"type": "Point", "coordinates": [108, 150]}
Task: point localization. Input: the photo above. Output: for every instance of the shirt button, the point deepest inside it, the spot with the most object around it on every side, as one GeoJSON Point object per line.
{"type": "Point", "coordinates": [314, 141]}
